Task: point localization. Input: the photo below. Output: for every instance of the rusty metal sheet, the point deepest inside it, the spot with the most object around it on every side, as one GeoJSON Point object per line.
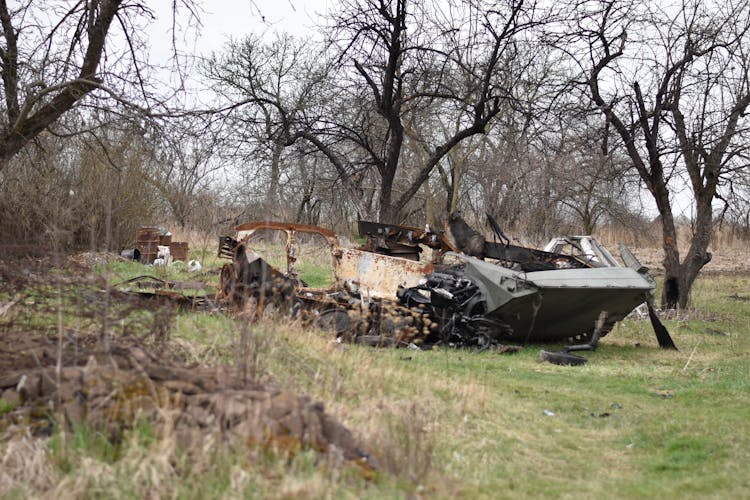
{"type": "Point", "coordinates": [376, 275]}
{"type": "Point", "coordinates": [379, 275]}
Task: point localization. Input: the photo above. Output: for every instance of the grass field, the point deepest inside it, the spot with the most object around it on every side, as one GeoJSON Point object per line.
{"type": "Point", "coordinates": [635, 422]}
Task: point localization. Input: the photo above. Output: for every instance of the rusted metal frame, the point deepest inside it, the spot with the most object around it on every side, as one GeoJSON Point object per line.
{"type": "Point", "coordinates": [286, 226]}
{"type": "Point", "coordinates": [378, 274]}
{"type": "Point", "coordinates": [400, 234]}
{"type": "Point", "coordinates": [291, 230]}
{"type": "Point", "coordinates": [227, 244]}
{"type": "Point", "coordinates": [291, 253]}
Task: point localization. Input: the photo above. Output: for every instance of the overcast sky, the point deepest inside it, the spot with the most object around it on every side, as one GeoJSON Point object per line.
{"type": "Point", "coordinates": [221, 20]}
{"type": "Point", "coordinates": [224, 19]}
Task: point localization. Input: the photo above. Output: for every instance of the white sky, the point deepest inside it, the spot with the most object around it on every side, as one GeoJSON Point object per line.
{"type": "Point", "coordinates": [224, 19]}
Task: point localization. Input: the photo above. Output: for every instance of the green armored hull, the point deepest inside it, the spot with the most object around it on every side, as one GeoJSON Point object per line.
{"type": "Point", "coordinates": [554, 305]}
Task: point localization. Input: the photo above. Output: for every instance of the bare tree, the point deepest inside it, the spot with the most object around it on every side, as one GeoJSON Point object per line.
{"type": "Point", "coordinates": [268, 93]}
{"type": "Point", "coordinates": [592, 175]}
{"type": "Point", "coordinates": [41, 79]}
{"type": "Point", "coordinates": [674, 85]}
{"type": "Point", "coordinates": [402, 59]}
{"type": "Point", "coordinates": [183, 167]}
{"type": "Point", "coordinates": [56, 55]}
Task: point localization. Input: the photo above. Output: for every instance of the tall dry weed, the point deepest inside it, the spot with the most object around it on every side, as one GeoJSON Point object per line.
{"type": "Point", "coordinates": [25, 467]}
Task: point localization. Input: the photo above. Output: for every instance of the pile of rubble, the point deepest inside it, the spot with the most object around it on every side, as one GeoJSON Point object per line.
{"type": "Point", "coordinates": [70, 378]}
{"type": "Point", "coordinates": [112, 391]}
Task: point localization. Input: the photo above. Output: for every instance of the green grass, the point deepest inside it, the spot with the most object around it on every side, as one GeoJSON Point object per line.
{"type": "Point", "coordinates": [635, 422]}
{"type": "Point", "coordinates": [5, 406]}
{"type": "Point", "coordinates": [121, 271]}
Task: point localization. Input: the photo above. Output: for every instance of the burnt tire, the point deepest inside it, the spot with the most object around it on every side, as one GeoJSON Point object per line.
{"type": "Point", "coordinates": [562, 358]}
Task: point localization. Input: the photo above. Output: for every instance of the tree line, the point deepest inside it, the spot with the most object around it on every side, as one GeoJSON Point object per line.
{"type": "Point", "coordinates": [548, 116]}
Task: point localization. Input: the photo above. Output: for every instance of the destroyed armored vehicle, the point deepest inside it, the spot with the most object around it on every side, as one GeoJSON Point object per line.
{"type": "Point", "coordinates": [519, 306]}
{"type": "Point", "coordinates": [390, 292]}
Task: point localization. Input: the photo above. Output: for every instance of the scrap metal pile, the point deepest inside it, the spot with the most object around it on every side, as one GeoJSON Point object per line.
{"type": "Point", "coordinates": [390, 292]}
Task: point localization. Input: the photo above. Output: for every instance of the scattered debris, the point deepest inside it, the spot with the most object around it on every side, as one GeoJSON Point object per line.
{"type": "Point", "coordinates": [400, 241]}
{"type": "Point", "coordinates": [383, 294]}
{"type": "Point", "coordinates": [174, 291]}
{"type": "Point", "coordinates": [154, 243]}
{"type": "Point", "coordinates": [562, 358]}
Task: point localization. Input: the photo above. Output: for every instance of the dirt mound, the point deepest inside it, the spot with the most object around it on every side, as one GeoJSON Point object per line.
{"type": "Point", "coordinates": [111, 392]}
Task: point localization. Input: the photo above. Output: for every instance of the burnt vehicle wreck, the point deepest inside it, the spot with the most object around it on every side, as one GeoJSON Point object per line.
{"type": "Point", "coordinates": [390, 292]}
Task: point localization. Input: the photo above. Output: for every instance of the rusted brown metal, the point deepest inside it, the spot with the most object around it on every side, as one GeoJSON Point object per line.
{"type": "Point", "coordinates": [361, 302]}
{"type": "Point", "coordinates": [147, 243]}
{"type": "Point", "coordinates": [227, 244]}
{"type": "Point", "coordinates": [179, 250]}
{"type": "Point", "coordinates": [374, 274]}
{"type": "Point", "coordinates": [379, 275]}
{"type": "Point", "coordinates": [247, 230]}
{"type": "Point", "coordinates": [282, 226]}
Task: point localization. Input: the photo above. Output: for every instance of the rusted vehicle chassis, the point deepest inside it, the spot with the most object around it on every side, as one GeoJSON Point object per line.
{"type": "Point", "coordinates": [361, 304]}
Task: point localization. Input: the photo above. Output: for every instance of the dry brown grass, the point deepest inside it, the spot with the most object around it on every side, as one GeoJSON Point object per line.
{"type": "Point", "coordinates": [25, 467]}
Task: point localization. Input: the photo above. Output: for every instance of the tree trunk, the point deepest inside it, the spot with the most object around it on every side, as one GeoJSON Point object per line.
{"type": "Point", "coordinates": [272, 197]}
{"type": "Point", "coordinates": [697, 256]}
{"type": "Point", "coordinates": [388, 213]}
{"type": "Point", "coordinates": [673, 282]}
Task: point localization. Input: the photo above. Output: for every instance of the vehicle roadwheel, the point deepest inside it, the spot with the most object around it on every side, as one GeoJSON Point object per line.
{"type": "Point", "coordinates": [336, 321]}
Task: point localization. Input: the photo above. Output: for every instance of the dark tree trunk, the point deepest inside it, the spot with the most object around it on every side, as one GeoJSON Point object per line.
{"type": "Point", "coordinates": [22, 126]}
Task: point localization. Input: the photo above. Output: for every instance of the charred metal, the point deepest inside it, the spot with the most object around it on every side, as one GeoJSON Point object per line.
{"type": "Point", "coordinates": [390, 292]}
